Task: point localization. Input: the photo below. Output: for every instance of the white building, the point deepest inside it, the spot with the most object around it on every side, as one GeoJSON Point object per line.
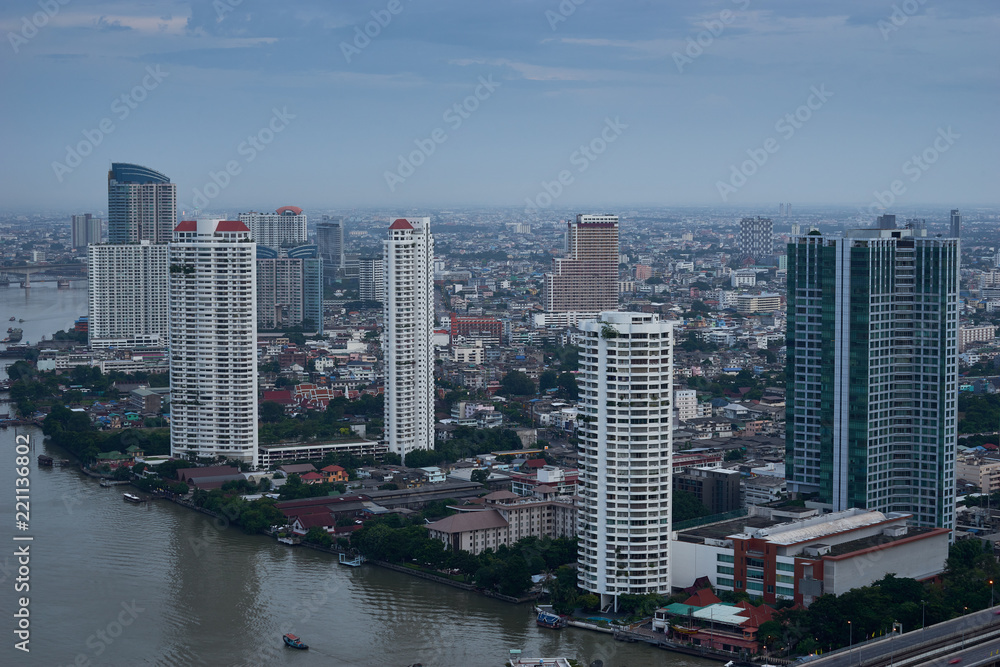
{"type": "Point", "coordinates": [286, 226]}
{"type": "Point", "coordinates": [127, 294]}
{"type": "Point", "coordinates": [213, 339]}
{"type": "Point", "coordinates": [371, 279]}
{"type": "Point", "coordinates": [686, 402]}
{"type": "Point", "coordinates": [408, 256]}
{"type": "Point", "coordinates": [626, 366]}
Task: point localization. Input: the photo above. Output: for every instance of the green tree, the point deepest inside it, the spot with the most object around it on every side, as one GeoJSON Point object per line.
{"type": "Point", "coordinates": [687, 506]}
{"type": "Point", "coordinates": [517, 383]}
{"type": "Point", "coordinates": [318, 536]}
{"type": "Point", "coordinates": [547, 380]}
{"type": "Point", "coordinates": [271, 412]}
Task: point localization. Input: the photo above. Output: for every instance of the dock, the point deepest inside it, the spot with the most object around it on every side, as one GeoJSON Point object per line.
{"type": "Point", "coordinates": [345, 559]}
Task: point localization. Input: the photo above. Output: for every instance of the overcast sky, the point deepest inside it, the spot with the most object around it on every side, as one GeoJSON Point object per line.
{"type": "Point", "coordinates": [734, 102]}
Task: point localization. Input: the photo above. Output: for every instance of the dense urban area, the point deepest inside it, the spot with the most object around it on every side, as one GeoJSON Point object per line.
{"type": "Point", "coordinates": [738, 548]}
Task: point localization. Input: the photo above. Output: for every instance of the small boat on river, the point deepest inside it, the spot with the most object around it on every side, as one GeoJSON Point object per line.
{"type": "Point", "coordinates": [132, 498]}
{"type": "Point", "coordinates": [293, 641]}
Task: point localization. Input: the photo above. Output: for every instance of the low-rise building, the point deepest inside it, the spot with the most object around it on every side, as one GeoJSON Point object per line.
{"type": "Point", "coordinates": [771, 558]}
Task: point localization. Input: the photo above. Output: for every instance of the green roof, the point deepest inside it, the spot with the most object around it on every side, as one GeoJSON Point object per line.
{"type": "Point", "coordinates": [114, 455]}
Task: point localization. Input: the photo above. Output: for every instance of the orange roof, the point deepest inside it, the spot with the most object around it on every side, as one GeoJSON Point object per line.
{"type": "Point", "coordinates": [702, 598]}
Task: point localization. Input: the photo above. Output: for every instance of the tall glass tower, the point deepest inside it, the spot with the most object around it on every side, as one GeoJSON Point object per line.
{"type": "Point", "coordinates": [872, 371]}
{"type": "Point", "coordinates": [142, 205]}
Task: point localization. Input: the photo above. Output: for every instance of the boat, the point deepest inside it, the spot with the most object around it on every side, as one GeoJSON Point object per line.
{"type": "Point", "coordinates": [9, 329]}
{"type": "Point", "coordinates": [549, 620]}
{"type": "Point", "coordinates": [21, 320]}
{"type": "Point", "coordinates": [13, 319]}
{"type": "Point", "coordinates": [132, 498]}
{"type": "Point", "coordinates": [293, 641]}
{"type": "Point", "coordinates": [683, 630]}
{"type": "Point", "coordinates": [15, 335]}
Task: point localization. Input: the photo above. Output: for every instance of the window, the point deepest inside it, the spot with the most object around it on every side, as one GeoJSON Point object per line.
{"type": "Point", "coordinates": [787, 567]}
{"type": "Point", "coordinates": [722, 569]}
{"type": "Point", "coordinates": [755, 586]}
{"type": "Point", "coordinates": [725, 558]}
{"type": "Point", "coordinates": [724, 581]}
{"type": "Point", "coordinates": [784, 590]}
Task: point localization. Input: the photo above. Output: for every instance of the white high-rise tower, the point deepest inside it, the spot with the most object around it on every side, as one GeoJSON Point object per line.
{"type": "Point", "coordinates": [213, 341]}
{"type": "Point", "coordinates": [408, 259]}
{"type": "Point", "coordinates": [626, 370]}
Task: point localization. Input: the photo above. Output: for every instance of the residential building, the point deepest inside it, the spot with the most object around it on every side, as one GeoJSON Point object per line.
{"type": "Point", "coordinates": [371, 279]}
{"type": "Point", "coordinates": [872, 372]}
{"type": "Point", "coordinates": [408, 335]}
{"type": "Point", "coordinates": [488, 329]}
{"type": "Point", "coordinates": [84, 230]}
{"type": "Point", "coordinates": [977, 334]}
{"type": "Point", "coordinates": [983, 472]}
{"type": "Point", "coordinates": [765, 302]}
{"type": "Point", "coordinates": [142, 204]}
{"type": "Point", "coordinates": [756, 238]}
{"type": "Point", "coordinates": [505, 518]}
{"type": "Point", "coordinates": [285, 227]}
{"type": "Point", "coordinates": [289, 287]}
{"type": "Point", "coordinates": [213, 341]}
{"type": "Point", "coordinates": [587, 279]}
{"type": "Point", "coordinates": [127, 294]}
{"type": "Point", "coordinates": [625, 380]}
{"type": "Point", "coordinates": [686, 403]}
{"type": "Point", "coordinates": [718, 489]}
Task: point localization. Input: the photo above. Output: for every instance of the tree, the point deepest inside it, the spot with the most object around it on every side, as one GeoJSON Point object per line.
{"type": "Point", "coordinates": [271, 411]}
{"type": "Point", "coordinates": [517, 383]}
{"type": "Point", "coordinates": [567, 386]}
{"type": "Point", "coordinates": [319, 537]}
{"type": "Point", "coordinates": [480, 476]}
{"type": "Point", "coordinates": [547, 380]}
{"type": "Point", "coordinates": [687, 506]}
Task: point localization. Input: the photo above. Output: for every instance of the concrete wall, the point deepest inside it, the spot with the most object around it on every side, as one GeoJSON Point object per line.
{"type": "Point", "coordinates": [918, 559]}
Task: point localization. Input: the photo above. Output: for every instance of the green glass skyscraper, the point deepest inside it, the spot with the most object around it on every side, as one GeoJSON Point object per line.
{"type": "Point", "coordinates": [872, 372]}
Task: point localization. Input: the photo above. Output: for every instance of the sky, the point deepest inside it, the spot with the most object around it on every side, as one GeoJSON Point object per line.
{"type": "Point", "coordinates": [252, 104]}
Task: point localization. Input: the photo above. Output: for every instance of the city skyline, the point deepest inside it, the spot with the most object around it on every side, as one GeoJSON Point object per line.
{"type": "Point", "coordinates": [707, 103]}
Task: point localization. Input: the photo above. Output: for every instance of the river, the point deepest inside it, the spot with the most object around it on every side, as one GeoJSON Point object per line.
{"type": "Point", "coordinates": [158, 584]}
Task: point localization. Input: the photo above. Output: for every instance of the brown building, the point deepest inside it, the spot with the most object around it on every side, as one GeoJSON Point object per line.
{"type": "Point", "coordinates": [587, 280]}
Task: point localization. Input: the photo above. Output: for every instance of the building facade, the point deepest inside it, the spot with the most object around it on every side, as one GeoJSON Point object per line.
{"type": "Point", "coordinates": [289, 287]}
{"type": "Point", "coordinates": [872, 370]}
{"type": "Point", "coordinates": [127, 294]}
{"type": "Point", "coordinates": [955, 228]}
{"type": "Point", "coordinates": [213, 341]}
{"type": "Point", "coordinates": [626, 369]}
{"type": "Point", "coordinates": [756, 237]}
{"type": "Point", "coordinates": [142, 204]}
{"type": "Point", "coordinates": [371, 279]}
{"type": "Point", "coordinates": [408, 336]}
{"type": "Point", "coordinates": [586, 281]}
{"type": "Point", "coordinates": [285, 227]}
{"type": "Point", "coordinates": [330, 238]}
{"type": "Point", "coordinates": [84, 230]}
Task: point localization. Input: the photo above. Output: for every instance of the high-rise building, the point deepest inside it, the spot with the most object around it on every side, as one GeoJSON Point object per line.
{"type": "Point", "coordinates": [586, 281]}
{"type": "Point", "coordinates": [142, 204]}
{"type": "Point", "coordinates": [284, 227]}
{"type": "Point", "coordinates": [330, 238]}
{"type": "Point", "coordinates": [371, 279]}
{"type": "Point", "coordinates": [956, 224]}
{"type": "Point", "coordinates": [127, 294]}
{"type": "Point", "coordinates": [887, 221]}
{"type": "Point", "coordinates": [85, 229]}
{"type": "Point", "coordinates": [408, 350]}
{"type": "Point", "coordinates": [213, 341]}
{"type": "Point", "coordinates": [872, 371]}
{"type": "Point", "coordinates": [756, 237]}
{"type": "Point", "coordinates": [626, 370]}
{"type": "Point", "coordinates": [289, 287]}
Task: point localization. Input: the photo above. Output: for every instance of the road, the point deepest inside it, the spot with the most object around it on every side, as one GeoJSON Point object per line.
{"type": "Point", "coordinates": [873, 652]}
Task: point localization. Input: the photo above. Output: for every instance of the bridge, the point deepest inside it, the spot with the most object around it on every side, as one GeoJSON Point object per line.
{"type": "Point", "coordinates": [973, 640]}
{"type": "Point", "coordinates": [27, 270]}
